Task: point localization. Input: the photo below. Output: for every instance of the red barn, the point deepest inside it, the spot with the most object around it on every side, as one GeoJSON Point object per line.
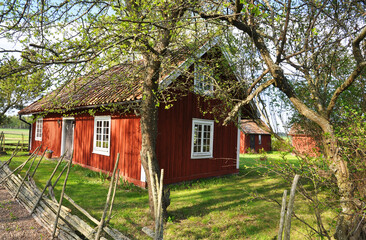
{"type": "Point", "coordinates": [253, 137]}
{"type": "Point", "coordinates": [98, 117]}
{"type": "Point", "coordinates": [303, 141]}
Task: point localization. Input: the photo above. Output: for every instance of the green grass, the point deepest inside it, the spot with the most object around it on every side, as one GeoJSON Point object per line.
{"type": "Point", "coordinates": [219, 208]}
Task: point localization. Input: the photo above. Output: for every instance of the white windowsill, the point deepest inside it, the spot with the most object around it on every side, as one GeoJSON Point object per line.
{"type": "Point", "coordinates": [201, 156]}
{"type": "Point", "coordinates": [100, 152]}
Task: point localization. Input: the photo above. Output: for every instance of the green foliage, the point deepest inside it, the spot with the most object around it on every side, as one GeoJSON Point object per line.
{"type": "Point", "coordinates": [278, 145]}
{"type": "Point", "coordinates": [14, 122]}
{"type": "Point", "coordinates": [316, 185]}
{"type": "Point", "coordinates": [21, 87]}
{"type": "Point", "coordinates": [351, 132]}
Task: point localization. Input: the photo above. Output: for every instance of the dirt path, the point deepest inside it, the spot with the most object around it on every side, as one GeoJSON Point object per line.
{"type": "Point", "coordinates": [16, 222]}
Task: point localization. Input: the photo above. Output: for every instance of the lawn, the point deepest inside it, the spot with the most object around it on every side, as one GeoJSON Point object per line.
{"type": "Point", "coordinates": [219, 208]}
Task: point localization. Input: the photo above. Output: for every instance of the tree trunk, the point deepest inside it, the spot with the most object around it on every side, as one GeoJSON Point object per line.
{"type": "Point", "coordinates": [149, 128]}
{"type": "Point", "coordinates": [348, 219]}
{"type": "Point", "coordinates": [350, 225]}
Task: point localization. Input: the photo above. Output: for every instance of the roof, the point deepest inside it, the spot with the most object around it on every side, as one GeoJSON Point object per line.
{"type": "Point", "coordinates": [250, 126]}
{"type": "Point", "coordinates": [296, 129]}
{"type": "Point", "coordinates": [119, 84]}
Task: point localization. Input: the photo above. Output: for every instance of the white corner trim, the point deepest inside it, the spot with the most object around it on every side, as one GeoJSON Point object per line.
{"type": "Point", "coordinates": [238, 146]}
{"type": "Point", "coordinates": [166, 81]}
{"type": "Point", "coordinates": [143, 175]}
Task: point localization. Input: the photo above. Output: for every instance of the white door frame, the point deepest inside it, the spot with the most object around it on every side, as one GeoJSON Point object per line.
{"type": "Point", "coordinates": [238, 144]}
{"type": "Point", "coordinates": [63, 133]}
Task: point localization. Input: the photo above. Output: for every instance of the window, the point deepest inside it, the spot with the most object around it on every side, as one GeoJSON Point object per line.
{"type": "Point", "coordinates": [102, 127]}
{"type": "Point", "coordinates": [202, 138]}
{"type": "Point", "coordinates": [203, 79]}
{"type": "Point", "coordinates": [39, 129]}
{"type": "Point", "coordinates": [259, 139]}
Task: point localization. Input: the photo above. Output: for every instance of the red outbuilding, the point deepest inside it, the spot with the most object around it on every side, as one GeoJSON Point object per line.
{"type": "Point", "coordinates": [254, 138]}
{"type": "Point", "coordinates": [303, 141]}
{"type": "Point", "coordinates": [98, 117]}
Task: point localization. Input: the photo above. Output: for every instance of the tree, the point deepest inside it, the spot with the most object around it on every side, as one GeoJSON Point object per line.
{"type": "Point", "coordinates": [79, 38]}
{"type": "Point", "coordinates": [301, 44]}
{"type": "Point", "coordinates": [20, 88]}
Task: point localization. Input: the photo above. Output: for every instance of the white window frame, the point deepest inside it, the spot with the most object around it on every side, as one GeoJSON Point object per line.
{"type": "Point", "coordinates": [259, 139]}
{"type": "Point", "coordinates": [102, 150]}
{"type": "Point", "coordinates": [39, 130]}
{"type": "Point", "coordinates": [202, 75]}
{"type": "Point", "coordinates": [201, 154]}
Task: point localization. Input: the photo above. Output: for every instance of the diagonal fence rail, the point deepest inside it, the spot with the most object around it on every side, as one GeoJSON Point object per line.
{"type": "Point", "coordinates": [49, 212]}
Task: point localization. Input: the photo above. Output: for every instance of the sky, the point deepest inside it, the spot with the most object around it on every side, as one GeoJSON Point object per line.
{"type": "Point", "coordinates": [278, 119]}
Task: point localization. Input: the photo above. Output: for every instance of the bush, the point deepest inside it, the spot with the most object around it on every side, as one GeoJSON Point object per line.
{"type": "Point", "coordinates": [277, 145]}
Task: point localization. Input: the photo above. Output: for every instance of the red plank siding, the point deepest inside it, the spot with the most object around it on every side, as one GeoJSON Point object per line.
{"type": "Point", "coordinates": [125, 139]}
{"type": "Point", "coordinates": [51, 135]}
{"type": "Point", "coordinates": [174, 142]}
{"type": "Point", "coordinates": [305, 144]}
{"type": "Point", "coordinates": [245, 142]}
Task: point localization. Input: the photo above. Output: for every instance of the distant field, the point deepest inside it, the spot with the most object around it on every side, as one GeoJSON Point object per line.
{"type": "Point", "coordinates": [14, 131]}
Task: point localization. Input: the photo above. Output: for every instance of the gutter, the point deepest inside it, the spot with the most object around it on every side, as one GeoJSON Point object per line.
{"type": "Point", "coordinates": [30, 130]}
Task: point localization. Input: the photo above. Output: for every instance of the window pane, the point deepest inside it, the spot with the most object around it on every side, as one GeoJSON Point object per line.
{"type": "Point", "coordinates": [102, 134]}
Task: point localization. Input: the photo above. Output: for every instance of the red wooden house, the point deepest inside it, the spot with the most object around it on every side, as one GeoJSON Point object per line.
{"type": "Point", "coordinates": [303, 141]}
{"type": "Point", "coordinates": [97, 117]}
{"type": "Point", "coordinates": [253, 137]}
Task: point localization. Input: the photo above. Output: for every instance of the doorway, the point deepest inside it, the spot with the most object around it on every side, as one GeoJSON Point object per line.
{"type": "Point", "coordinates": [252, 141]}
{"type": "Point", "coordinates": [67, 143]}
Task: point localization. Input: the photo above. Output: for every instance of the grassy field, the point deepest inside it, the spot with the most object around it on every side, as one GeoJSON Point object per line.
{"type": "Point", "coordinates": [230, 207]}
{"type": "Point", "coordinates": [13, 136]}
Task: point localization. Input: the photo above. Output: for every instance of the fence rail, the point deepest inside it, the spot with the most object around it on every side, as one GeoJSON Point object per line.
{"type": "Point", "coordinates": [10, 140]}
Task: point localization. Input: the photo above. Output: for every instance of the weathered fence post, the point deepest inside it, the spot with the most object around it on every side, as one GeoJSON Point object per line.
{"type": "Point", "coordinates": [157, 192]}
{"type": "Point", "coordinates": [114, 195]}
{"type": "Point", "coordinates": [101, 223]}
{"type": "Point", "coordinates": [61, 198]}
{"type": "Point", "coordinates": [35, 169]}
{"type": "Point", "coordinates": [11, 157]}
{"type": "Point", "coordinates": [290, 207]}
{"type": "Point", "coordinates": [47, 184]}
{"type": "Point", "coordinates": [20, 167]}
{"type": "Point", "coordinates": [282, 218]}
{"type": "Point", "coordinates": [2, 141]}
{"type": "Point", "coordinates": [21, 146]}
{"type": "Point", "coordinates": [26, 175]}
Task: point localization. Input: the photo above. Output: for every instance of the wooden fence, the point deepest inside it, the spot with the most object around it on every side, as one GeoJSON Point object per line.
{"type": "Point", "coordinates": [49, 212]}
{"type": "Point", "coordinates": [9, 141]}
